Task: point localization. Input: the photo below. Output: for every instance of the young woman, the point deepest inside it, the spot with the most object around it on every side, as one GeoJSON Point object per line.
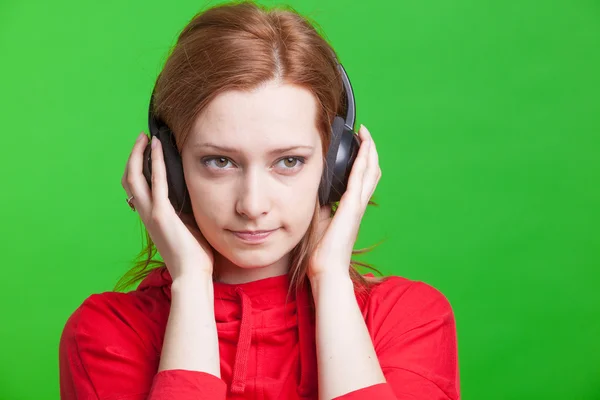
{"type": "Point", "coordinates": [257, 297]}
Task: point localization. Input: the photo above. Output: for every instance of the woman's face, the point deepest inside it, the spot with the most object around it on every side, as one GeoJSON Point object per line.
{"type": "Point", "coordinates": [253, 162]}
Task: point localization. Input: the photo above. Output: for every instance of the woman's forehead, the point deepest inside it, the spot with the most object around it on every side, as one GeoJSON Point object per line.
{"type": "Point", "coordinates": [272, 116]}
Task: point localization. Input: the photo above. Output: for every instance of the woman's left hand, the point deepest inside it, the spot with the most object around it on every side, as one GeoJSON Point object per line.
{"type": "Point", "coordinates": [338, 234]}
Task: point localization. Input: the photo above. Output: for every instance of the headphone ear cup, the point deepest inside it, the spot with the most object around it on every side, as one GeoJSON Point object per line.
{"type": "Point", "coordinates": [178, 194]}
{"type": "Point", "coordinates": [337, 129]}
{"type": "Point", "coordinates": [339, 161]}
{"type": "Point", "coordinates": [347, 152]}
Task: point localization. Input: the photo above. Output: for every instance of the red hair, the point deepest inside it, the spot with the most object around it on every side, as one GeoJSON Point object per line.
{"type": "Point", "coordinates": [241, 45]}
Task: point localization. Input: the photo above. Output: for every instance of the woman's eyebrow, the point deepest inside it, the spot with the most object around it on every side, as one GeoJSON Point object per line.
{"type": "Point", "coordinates": [235, 151]}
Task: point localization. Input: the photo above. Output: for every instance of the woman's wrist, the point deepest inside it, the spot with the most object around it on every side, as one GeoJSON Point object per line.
{"type": "Point", "coordinates": [191, 339]}
{"type": "Point", "coordinates": [327, 282]}
{"type": "Point", "coordinates": [193, 281]}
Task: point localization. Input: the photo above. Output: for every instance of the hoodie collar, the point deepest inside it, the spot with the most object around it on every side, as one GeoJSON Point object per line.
{"type": "Point", "coordinates": [261, 294]}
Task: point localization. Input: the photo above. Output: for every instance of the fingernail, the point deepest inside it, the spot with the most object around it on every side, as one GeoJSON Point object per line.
{"type": "Point", "coordinates": [140, 136]}
{"type": "Point", "coordinates": [154, 141]}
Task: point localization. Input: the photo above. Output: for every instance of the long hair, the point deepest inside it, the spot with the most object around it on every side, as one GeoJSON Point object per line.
{"type": "Point", "coordinates": [241, 45]}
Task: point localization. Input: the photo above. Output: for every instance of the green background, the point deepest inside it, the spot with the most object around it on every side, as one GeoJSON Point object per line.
{"type": "Point", "coordinates": [486, 116]}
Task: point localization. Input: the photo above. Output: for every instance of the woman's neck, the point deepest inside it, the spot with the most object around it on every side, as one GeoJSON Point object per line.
{"type": "Point", "coordinates": [228, 272]}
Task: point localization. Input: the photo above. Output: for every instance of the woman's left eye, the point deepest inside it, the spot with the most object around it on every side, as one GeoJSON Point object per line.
{"type": "Point", "coordinates": [291, 162]}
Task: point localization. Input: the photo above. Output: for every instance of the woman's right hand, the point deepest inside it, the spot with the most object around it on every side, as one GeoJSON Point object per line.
{"type": "Point", "coordinates": [182, 246]}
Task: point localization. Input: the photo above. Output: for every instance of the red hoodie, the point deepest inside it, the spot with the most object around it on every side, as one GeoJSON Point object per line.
{"type": "Point", "coordinates": [110, 347]}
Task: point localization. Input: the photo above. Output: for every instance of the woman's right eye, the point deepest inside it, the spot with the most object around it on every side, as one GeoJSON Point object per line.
{"type": "Point", "coordinates": [220, 162]}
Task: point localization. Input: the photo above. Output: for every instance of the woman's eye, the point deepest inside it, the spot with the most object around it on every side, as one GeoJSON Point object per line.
{"type": "Point", "coordinates": [291, 163]}
{"type": "Point", "coordinates": [219, 162]}
{"type": "Point", "coordinates": [287, 163]}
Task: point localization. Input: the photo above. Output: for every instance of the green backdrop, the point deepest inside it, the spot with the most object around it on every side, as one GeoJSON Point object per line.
{"type": "Point", "coordinates": [486, 117]}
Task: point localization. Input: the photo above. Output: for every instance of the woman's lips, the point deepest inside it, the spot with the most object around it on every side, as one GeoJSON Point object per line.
{"type": "Point", "coordinates": [254, 238]}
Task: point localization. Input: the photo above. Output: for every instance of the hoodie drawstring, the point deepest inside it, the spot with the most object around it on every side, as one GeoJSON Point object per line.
{"type": "Point", "coordinates": [307, 343]}
{"type": "Point", "coordinates": [307, 346]}
{"type": "Point", "coordinates": [307, 381]}
{"type": "Point", "coordinates": [238, 383]}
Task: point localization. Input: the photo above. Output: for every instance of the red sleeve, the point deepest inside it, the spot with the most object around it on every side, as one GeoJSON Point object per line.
{"type": "Point", "coordinates": [414, 333]}
{"type": "Point", "coordinates": [102, 356]}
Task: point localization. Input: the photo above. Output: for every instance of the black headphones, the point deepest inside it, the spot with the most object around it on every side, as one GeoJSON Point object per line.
{"type": "Point", "coordinates": [339, 160]}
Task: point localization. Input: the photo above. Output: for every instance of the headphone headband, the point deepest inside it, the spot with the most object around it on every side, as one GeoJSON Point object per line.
{"type": "Point", "coordinates": [351, 106]}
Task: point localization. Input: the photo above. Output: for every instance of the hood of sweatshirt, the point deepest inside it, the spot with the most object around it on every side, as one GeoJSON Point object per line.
{"type": "Point", "coordinates": [259, 321]}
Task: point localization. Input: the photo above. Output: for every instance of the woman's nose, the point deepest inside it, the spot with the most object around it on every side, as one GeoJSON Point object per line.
{"type": "Point", "coordinates": [253, 195]}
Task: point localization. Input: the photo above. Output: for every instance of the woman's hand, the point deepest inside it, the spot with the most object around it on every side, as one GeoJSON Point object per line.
{"type": "Point", "coordinates": [338, 234]}
{"type": "Point", "coordinates": [182, 246]}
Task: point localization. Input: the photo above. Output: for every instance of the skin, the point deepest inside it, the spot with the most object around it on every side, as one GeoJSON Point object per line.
{"type": "Point", "coordinates": [254, 187]}
{"type": "Point", "coordinates": [253, 190]}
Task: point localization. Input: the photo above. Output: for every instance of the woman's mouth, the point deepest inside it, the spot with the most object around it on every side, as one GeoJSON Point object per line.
{"type": "Point", "coordinates": [253, 237]}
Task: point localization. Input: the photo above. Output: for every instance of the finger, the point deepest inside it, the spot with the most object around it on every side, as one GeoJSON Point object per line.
{"type": "Point", "coordinates": [366, 136]}
{"type": "Point", "coordinates": [373, 170]}
{"type": "Point", "coordinates": [356, 178]}
{"type": "Point", "coordinates": [366, 182]}
{"type": "Point", "coordinates": [374, 156]}
{"type": "Point", "coordinates": [136, 183]}
{"type": "Point", "coordinates": [124, 182]}
{"type": "Point", "coordinates": [160, 190]}
{"type": "Point", "coordinates": [124, 178]}
{"type": "Point", "coordinates": [358, 169]}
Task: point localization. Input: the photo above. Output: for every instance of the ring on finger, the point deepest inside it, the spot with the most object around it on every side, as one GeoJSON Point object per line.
{"type": "Point", "coordinates": [130, 202]}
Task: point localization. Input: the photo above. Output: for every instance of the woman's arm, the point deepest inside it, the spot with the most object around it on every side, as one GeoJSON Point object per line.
{"type": "Point", "coordinates": [105, 350]}
{"type": "Point", "coordinates": [191, 340]}
{"type": "Point", "coordinates": [408, 332]}
{"type": "Point", "coordinates": [190, 344]}
{"type": "Point", "coordinates": [346, 358]}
